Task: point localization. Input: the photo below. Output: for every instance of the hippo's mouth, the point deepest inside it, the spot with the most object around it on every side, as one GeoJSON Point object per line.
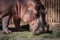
{"type": "Point", "coordinates": [34, 27]}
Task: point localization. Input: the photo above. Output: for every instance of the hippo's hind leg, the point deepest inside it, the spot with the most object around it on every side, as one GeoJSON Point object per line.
{"type": "Point", "coordinates": [5, 21]}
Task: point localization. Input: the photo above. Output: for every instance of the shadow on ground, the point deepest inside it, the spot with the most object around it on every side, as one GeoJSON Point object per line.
{"type": "Point", "coordinates": [21, 29]}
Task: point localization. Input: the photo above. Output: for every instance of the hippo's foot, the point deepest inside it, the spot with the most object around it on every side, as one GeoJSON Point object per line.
{"type": "Point", "coordinates": [7, 32]}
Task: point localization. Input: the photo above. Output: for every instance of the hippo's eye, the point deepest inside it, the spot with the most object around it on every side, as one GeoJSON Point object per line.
{"type": "Point", "coordinates": [31, 4]}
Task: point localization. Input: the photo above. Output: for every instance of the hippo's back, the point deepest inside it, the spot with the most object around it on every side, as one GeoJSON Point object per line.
{"type": "Point", "coordinates": [5, 4]}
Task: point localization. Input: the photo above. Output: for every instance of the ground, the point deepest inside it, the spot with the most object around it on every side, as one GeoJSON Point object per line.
{"type": "Point", "coordinates": [26, 34]}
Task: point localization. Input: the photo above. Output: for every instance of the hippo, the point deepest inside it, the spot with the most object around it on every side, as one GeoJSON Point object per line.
{"type": "Point", "coordinates": [30, 11]}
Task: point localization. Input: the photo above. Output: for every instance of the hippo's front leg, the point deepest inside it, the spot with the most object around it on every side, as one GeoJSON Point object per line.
{"type": "Point", "coordinates": [5, 21]}
{"type": "Point", "coordinates": [17, 23]}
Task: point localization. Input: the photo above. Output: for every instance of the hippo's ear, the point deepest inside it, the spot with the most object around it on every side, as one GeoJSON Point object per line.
{"type": "Point", "coordinates": [30, 4]}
